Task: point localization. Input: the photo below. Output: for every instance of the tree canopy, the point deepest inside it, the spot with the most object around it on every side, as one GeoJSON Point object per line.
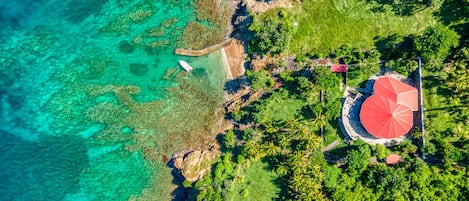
{"type": "Point", "coordinates": [435, 43]}
{"type": "Point", "coordinates": [271, 35]}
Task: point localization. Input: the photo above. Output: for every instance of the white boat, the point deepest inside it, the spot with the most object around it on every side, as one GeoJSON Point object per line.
{"type": "Point", "coordinates": [185, 65]}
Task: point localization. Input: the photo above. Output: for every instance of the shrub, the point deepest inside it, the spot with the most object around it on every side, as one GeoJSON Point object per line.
{"type": "Point", "coordinates": [435, 43]}
{"type": "Point", "coordinates": [187, 184]}
{"type": "Point", "coordinates": [259, 80]}
{"type": "Point", "coordinates": [245, 193]}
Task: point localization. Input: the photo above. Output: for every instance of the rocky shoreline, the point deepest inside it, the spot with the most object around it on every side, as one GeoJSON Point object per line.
{"type": "Point", "coordinates": [192, 165]}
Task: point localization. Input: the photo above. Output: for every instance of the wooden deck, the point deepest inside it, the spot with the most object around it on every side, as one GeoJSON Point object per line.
{"type": "Point", "coordinates": [197, 53]}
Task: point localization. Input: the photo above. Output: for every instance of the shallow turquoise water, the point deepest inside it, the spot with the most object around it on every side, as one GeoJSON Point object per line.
{"type": "Point", "coordinates": [86, 96]}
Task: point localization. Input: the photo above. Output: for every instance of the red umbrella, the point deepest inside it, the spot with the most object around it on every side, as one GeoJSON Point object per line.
{"type": "Point", "coordinates": [384, 118]}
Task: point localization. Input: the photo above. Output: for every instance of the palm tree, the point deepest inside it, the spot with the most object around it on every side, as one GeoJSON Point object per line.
{"type": "Point", "coordinates": [302, 131]}
{"type": "Point", "coordinates": [271, 149]}
{"type": "Point", "coordinates": [313, 142]}
{"type": "Point", "coordinates": [296, 181]}
{"type": "Point", "coordinates": [282, 169]}
{"type": "Point", "coordinates": [251, 149]}
{"type": "Point", "coordinates": [297, 162]}
{"type": "Point", "coordinates": [292, 123]}
{"type": "Point", "coordinates": [283, 140]}
{"type": "Point", "coordinates": [270, 127]}
{"type": "Point", "coordinates": [320, 121]}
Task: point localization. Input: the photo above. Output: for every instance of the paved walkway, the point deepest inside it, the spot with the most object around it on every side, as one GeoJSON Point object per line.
{"type": "Point", "coordinates": [196, 53]}
{"type": "Point", "coordinates": [330, 146]}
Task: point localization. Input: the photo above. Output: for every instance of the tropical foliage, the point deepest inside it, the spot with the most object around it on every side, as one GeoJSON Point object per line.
{"type": "Point", "coordinates": [272, 34]}
{"type": "Point", "coordinates": [288, 129]}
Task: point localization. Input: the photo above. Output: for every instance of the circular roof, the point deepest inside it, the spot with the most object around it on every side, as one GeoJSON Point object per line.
{"type": "Point", "coordinates": [384, 118]}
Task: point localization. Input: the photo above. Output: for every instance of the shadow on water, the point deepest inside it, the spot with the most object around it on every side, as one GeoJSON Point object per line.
{"type": "Point", "coordinates": [45, 170]}
{"type": "Point", "coordinates": [200, 72]}
{"type": "Point", "coordinates": [77, 11]}
{"type": "Point", "coordinates": [180, 193]}
{"type": "Point", "coordinates": [14, 13]}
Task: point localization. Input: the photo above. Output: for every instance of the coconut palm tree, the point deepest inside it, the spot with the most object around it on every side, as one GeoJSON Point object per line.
{"type": "Point", "coordinates": [320, 121]}
{"type": "Point", "coordinates": [251, 149]}
{"type": "Point", "coordinates": [292, 123]}
{"type": "Point", "coordinates": [270, 127]}
{"type": "Point", "coordinates": [271, 149]}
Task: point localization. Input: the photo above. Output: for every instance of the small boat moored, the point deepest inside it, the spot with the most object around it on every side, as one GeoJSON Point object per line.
{"type": "Point", "coordinates": [185, 65]}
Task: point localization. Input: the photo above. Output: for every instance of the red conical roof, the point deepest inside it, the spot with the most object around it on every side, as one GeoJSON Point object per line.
{"type": "Point", "coordinates": [384, 118]}
{"type": "Point", "coordinates": [397, 91]}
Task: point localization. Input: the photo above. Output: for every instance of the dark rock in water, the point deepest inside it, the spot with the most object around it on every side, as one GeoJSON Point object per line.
{"type": "Point", "coordinates": [138, 69]}
{"type": "Point", "coordinates": [126, 47]}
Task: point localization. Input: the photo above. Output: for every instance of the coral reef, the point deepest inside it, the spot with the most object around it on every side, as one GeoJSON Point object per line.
{"type": "Point", "coordinates": [199, 36]}
{"type": "Point", "coordinates": [143, 115]}
{"type": "Point", "coordinates": [139, 15]}
{"type": "Point", "coordinates": [217, 13]}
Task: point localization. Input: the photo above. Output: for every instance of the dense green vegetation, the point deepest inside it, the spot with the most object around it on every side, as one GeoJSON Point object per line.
{"type": "Point", "coordinates": [287, 128]}
{"type": "Point", "coordinates": [274, 33]}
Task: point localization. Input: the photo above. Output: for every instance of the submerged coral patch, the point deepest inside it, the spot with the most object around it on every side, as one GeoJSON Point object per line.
{"type": "Point", "coordinates": [126, 47]}
{"type": "Point", "coordinates": [138, 69]}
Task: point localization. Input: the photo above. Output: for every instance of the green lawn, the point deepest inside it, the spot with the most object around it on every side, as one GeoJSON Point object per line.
{"type": "Point", "coordinates": [324, 25]}
{"type": "Point", "coordinates": [256, 183]}
{"type": "Point", "coordinates": [279, 108]}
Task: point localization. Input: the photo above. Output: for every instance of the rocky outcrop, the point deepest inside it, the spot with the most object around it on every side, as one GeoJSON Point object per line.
{"type": "Point", "coordinates": [194, 165]}
{"type": "Point", "coordinates": [242, 100]}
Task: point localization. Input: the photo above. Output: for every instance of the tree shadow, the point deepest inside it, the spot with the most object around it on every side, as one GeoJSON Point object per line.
{"type": "Point", "coordinates": [395, 46]}
{"type": "Point", "coordinates": [271, 162]}
{"type": "Point", "coordinates": [306, 112]}
{"type": "Point", "coordinates": [339, 153]}
{"type": "Point", "coordinates": [335, 125]}
{"type": "Point", "coordinates": [455, 11]}
{"type": "Point", "coordinates": [235, 85]}
{"type": "Point", "coordinates": [240, 22]}
{"type": "Point", "coordinates": [401, 8]}
{"type": "Point", "coordinates": [432, 81]}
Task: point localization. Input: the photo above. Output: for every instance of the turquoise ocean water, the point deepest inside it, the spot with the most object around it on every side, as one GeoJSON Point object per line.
{"type": "Point", "coordinates": [92, 100]}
